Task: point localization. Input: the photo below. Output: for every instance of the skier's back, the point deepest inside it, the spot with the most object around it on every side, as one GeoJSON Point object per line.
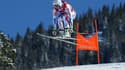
{"type": "Point", "coordinates": [63, 16]}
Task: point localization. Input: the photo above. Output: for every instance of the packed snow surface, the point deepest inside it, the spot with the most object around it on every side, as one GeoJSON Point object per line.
{"type": "Point", "coordinates": [109, 66]}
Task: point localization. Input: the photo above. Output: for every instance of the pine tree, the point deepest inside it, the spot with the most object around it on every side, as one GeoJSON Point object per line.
{"type": "Point", "coordinates": [7, 53]}
{"type": "Point", "coordinates": [27, 50]}
{"type": "Point", "coordinates": [18, 44]}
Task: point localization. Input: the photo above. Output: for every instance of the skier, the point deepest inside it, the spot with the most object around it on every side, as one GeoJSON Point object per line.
{"type": "Point", "coordinates": [63, 16]}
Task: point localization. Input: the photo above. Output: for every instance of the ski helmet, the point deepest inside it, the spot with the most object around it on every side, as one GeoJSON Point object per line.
{"type": "Point", "coordinates": [57, 2]}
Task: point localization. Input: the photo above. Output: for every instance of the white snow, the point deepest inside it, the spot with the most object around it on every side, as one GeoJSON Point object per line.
{"type": "Point", "coordinates": [110, 66]}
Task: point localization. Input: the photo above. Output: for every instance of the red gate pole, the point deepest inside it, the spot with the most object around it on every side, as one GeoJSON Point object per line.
{"type": "Point", "coordinates": [77, 55]}
{"type": "Point", "coordinates": [98, 52]}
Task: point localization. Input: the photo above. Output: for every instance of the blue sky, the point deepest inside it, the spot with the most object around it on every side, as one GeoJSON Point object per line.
{"type": "Point", "coordinates": [17, 15]}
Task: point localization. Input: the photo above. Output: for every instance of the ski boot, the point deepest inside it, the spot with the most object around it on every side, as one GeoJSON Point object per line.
{"type": "Point", "coordinates": [71, 29]}
{"type": "Point", "coordinates": [66, 33]}
{"type": "Point", "coordinates": [54, 32]}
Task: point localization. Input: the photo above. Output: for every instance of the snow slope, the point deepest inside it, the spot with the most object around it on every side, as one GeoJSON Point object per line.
{"type": "Point", "coordinates": [110, 66]}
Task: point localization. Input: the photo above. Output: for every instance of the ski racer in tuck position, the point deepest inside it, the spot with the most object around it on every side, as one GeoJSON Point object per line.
{"type": "Point", "coordinates": [63, 16]}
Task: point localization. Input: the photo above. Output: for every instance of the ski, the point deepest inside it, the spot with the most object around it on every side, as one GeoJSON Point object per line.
{"type": "Point", "coordinates": [56, 38]}
{"type": "Point", "coordinates": [79, 33]}
{"type": "Point", "coordinates": [59, 37]}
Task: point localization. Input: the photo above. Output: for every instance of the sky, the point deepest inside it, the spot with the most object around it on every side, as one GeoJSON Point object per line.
{"type": "Point", "coordinates": [17, 15]}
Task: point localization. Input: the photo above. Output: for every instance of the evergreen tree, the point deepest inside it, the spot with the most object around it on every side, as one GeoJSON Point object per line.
{"type": "Point", "coordinates": [18, 44]}
{"type": "Point", "coordinates": [7, 53]}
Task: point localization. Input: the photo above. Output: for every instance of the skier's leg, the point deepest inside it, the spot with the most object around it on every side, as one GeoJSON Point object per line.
{"type": "Point", "coordinates": [55, 26]}
{"type": "Point", "coordinates": [54, 23]}
{"type": "Point", "coordinates": [66, 24]}
{"type": "Point", "coordinates": [70, 22]}
{"type": "Point", "coordinates": [71, 26]}
{"type": "Point", "coordinates": [66, 27]}
{"type": "Point", "coordinates": [58, 27]}
{"type": "Point", "coordinates": [60, 24]}
{"type": "Point", "coordinates": [73, 16]}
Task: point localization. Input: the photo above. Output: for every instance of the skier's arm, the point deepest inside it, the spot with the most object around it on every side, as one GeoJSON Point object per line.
{"type": "Point", "coordinates": [68, 12]}
{"type": "Point", "coordinates": [71, 11]}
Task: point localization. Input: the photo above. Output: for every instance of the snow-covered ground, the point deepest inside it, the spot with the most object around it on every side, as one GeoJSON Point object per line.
{"type": "Point", "coordinates": [110, 66]}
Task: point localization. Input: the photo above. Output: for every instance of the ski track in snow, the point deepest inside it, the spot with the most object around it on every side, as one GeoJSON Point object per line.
{"type": "Point", "coordinates": [109, 66]}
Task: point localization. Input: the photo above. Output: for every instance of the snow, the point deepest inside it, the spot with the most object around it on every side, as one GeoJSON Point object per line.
{"type": "Point", "coordinates": [110, 66]}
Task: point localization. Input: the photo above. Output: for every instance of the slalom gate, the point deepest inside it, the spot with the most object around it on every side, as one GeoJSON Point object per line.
{"type": "Point", "coordinates": [88, 44]}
